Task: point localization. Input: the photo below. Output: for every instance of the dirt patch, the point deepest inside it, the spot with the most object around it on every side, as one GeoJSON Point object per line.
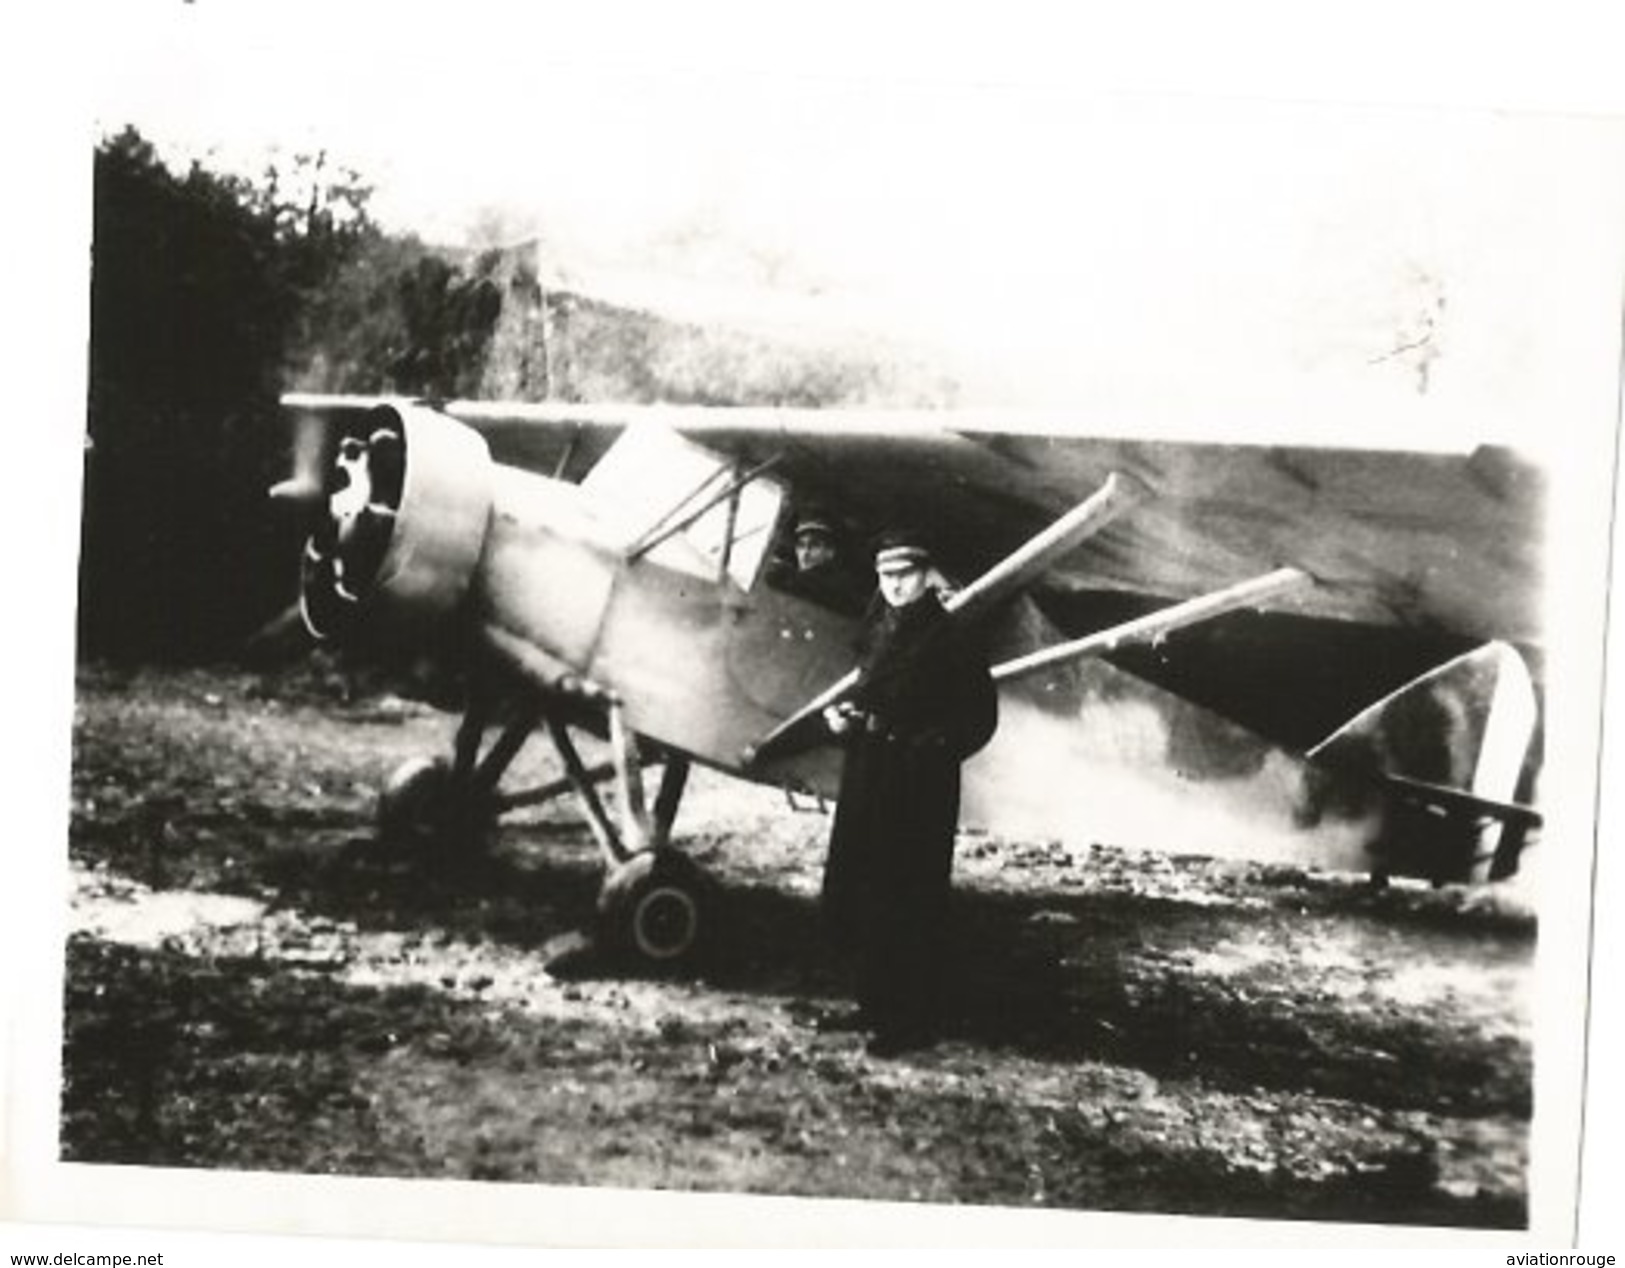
{"type": "Point", "coordinates": [253, 983]}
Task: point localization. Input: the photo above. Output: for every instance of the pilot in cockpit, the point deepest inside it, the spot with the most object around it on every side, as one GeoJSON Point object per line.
{"type": "Point", "coordinates": [818, 569]}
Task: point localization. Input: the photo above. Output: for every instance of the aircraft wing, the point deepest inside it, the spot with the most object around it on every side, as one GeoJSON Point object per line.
{"type": "Point", "coordinates": [1419, 540]}
{"type": "Point", "coordinates": [1428, 540]}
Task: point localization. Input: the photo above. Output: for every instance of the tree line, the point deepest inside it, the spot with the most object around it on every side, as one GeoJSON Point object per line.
{"type": "Point", "coordinates": [208, 293]}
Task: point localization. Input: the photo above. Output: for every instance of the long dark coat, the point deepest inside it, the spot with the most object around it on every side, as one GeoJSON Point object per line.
{"type": "Point", "coordinates": [927, 703]}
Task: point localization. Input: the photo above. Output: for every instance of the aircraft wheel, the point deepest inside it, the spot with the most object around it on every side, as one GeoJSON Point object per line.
{"type": "Point", "coordinates": [421, 807]}
{"type": "Point", "coordinates": [654, 907]}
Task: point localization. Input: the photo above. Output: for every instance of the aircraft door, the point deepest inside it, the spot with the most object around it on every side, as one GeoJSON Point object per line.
{"type": "Point", "coordinates": [791, 635]}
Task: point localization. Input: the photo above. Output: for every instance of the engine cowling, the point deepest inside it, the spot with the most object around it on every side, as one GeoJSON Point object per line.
{"type": "Point", "coordinates": [408, 508]}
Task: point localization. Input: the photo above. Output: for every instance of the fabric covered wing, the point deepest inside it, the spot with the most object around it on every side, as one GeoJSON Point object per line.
{"type": "Point", "coordinates": [1432, 540]}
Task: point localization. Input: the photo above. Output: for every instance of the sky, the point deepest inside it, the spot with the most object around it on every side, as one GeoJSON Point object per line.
{"type": "Point", "coordinates": [1205, 245]}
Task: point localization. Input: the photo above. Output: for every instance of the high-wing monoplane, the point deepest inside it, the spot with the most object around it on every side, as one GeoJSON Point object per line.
{"type": "Point", "coordinates": [1329, 657]}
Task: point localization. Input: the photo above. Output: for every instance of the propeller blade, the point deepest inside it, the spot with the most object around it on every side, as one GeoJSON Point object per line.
{"type": "Point", "coordinates": [282, 640]}
{"type": "Point", "coordinates": [312, 461]}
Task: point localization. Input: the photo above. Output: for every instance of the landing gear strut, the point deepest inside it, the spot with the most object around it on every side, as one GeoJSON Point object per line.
{"type": "Point", "coordinates": [655, 902]}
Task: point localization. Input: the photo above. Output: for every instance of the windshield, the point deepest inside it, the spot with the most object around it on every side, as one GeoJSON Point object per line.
{"type": "Point", "coordinates": [656, 486]}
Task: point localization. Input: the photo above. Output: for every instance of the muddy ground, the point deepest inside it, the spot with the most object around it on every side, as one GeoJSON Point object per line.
{"type": "Point", "coordinates": [254, 984]}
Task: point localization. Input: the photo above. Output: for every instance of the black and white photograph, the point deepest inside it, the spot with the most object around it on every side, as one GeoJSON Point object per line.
{"type": "Point", "coordinates": [688, 631]}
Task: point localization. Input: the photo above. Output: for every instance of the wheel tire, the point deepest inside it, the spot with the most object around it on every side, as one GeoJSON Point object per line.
{"type": "Point", "coordinates": [655, 908]}
{"type": "Point", "coordinates": [421, 808]}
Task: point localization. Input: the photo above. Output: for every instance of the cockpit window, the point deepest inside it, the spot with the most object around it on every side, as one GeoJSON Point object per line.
{"type": "Point", "coordinates": [683, 506]}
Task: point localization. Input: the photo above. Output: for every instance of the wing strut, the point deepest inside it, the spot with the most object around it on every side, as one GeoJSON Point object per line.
{"type": "Point", "coordinates": [1023, 565]}
{"type": "Point", "coordinates": [1011, 574]}
{"type": "Point", "coordinates": [1155, 625]}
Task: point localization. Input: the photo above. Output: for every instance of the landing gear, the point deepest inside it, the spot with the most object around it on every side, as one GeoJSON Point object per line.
{"type": "Point", "coordinates": [655, 903]}
{"type": "Point", "coordinates": [420, 806]}
{"type": "Point", "coordinates": [655, 908]}
{"type": "Point", "coordinates": [449, 809]}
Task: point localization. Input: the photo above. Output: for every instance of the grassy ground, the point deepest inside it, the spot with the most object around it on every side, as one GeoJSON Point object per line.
{"type": "Point", "coordinates": [253, 983]}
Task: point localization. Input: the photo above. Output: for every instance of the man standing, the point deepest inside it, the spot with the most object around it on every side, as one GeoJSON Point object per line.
{"type": "Point", "coordinates": [923, 703]}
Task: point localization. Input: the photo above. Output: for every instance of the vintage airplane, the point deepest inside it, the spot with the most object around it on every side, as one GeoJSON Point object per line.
{"type": "Point", "coordinates": [1320, 656]}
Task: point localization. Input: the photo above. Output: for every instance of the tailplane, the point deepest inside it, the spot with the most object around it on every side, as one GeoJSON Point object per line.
{"type": "Point", "coordinates": [1453, 750]}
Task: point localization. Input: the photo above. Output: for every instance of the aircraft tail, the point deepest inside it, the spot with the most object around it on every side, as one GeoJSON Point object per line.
{"type": "Point", "coordinates": [1453, 748]}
